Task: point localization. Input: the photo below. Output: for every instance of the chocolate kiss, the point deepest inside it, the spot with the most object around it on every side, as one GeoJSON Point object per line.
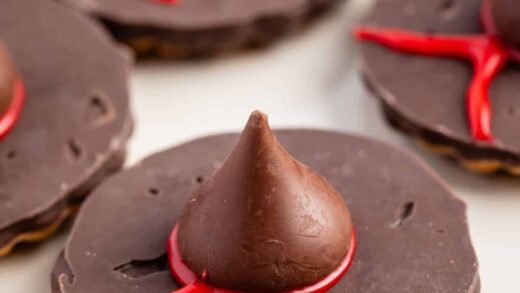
{"type": "Point", "coordinates": [7, 80]}
{"type": "Point", "coordinates": [264, 222]}
{"type": "Point", "coordinates": [506, 17]}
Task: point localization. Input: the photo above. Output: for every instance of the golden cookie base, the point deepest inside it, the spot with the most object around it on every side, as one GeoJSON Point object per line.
{"type": "Point", "coordinates": [488, 166]}
{"type": "Point", "coordinates": [40, 234]}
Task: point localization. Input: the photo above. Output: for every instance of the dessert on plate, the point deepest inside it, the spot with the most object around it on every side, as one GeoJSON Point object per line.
{"type": "Point", "coordinates": [447, 74]}
{"type": "Point", "coordinates": [294, 211]}
{"type": "Point", "coordinates": [12, 93]}
{"type": "Point", "coordinates": [64, 115]}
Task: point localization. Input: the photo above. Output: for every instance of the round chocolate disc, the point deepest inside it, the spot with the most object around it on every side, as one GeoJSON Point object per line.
{"type": "Point", "coordinates": [412, 232]}
{"type": "Point", "coordinates": [75, 121]}
{"type": "Point", "coordinates": [7, 79]}
{"type": "Point", "coordinates": [426, 96]}
{"type": "Point", "coordinates": [187, 28]}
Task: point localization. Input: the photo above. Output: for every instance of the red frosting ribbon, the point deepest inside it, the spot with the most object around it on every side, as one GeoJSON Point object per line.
{"type": "Point", "coordinates": [487, 52]}
{"type": "Point", "coordinates": [8, 119]}
{"type": "Point", "coordinates": [193, 284]}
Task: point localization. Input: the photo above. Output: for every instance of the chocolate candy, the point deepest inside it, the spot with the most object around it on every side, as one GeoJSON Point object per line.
{"type": "Point", "coordinates": [7, 80]}
{"type": "Point", "coordinates": [264, 222]}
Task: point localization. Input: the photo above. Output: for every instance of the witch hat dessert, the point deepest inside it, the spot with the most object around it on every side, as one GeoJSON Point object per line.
{"type": "Point", "coordinates": [240, 213]}
{"type": "Point", "coordinates": [200, 28]}
{"type": "Point", "coordinates": [426, 96]}
{"type": "Point", "coordinates": [12, 93]}
{"type": "Point", "coordinates": [64, 115]}
{"type": "Point", "coordinates": [263, 223]}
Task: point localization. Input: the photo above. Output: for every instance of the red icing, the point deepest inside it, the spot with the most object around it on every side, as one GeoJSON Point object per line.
{"type": "Point", "coordinates": [486, 52]}
{"type": "Point", "coordinates": [9, 118]}
{"type": "Point", "coordinates": [193, 284]}
{"type": "Point", "coordinates": [168, 1]}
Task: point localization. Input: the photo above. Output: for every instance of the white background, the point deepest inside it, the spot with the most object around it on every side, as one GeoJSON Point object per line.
{"type": "Point", "coordinates": [309, 80]}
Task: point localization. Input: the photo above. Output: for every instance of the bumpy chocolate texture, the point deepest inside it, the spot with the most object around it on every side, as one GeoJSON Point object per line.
{"type": "Point", "coordinates": [7, 78]}
{"type": "Point", "coordinates": [506, 16]}
{"type": "Point", "coordinates": [264, 222]}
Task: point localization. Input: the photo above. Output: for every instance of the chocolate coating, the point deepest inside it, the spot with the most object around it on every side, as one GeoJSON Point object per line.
{"type": "Point", "coordinates": [506, 17]}
{"type": "Point", "coordinates": [75, 122]}
{"type": "Point", "coordinates": [412, 232]}
{"type": "Point", "coordinates": [426, 96]}
{"type": "Point", "coordinates": [7, 79]}
{"type": "Point", "coordinates": [264, 222]}
{"type": "Point", "coordinates": [201, 27]}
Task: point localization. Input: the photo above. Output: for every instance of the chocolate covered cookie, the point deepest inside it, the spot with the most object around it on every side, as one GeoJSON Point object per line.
{"type": "Point", "coordinates": [447, 74]}
{"type": "Point", "coordinates": [317, 211]}
{"type": "Point", "coordinates": [194, 28]}
{"type": "Point", "coordinates": [72, 128]}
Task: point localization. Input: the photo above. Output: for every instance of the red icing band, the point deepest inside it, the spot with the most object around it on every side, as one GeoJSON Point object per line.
{"type": "Point", "coordinates": [10, 116]}
{"type": "Point", "coordinates": [486, 52]}
{"type": "Point", "coordinates": [193, 284]}
{"type": "Point", "coordinates": [170, 2]}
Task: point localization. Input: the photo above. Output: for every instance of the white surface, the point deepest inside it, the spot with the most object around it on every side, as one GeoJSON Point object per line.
{"type": "Point", "coordinates": [307, 81]}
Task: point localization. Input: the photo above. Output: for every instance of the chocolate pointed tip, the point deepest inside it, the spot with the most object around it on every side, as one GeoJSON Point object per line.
{"type": "Point", "coordinates": [257, 121]}
{"type": "Point", "coordinates": [257, 118]}
{"type": "Point", "coordinates": [260, 216]}
{"type": "Point", "coordinates": [256, 142]}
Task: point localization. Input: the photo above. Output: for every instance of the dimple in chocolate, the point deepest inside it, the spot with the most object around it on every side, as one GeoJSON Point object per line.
{"type": "Point", "coordinates": [263, 222]}
{"type": "Point", "coordinates": [12, 93]}
{"type": "Point", "coordinates": [489, 53]}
